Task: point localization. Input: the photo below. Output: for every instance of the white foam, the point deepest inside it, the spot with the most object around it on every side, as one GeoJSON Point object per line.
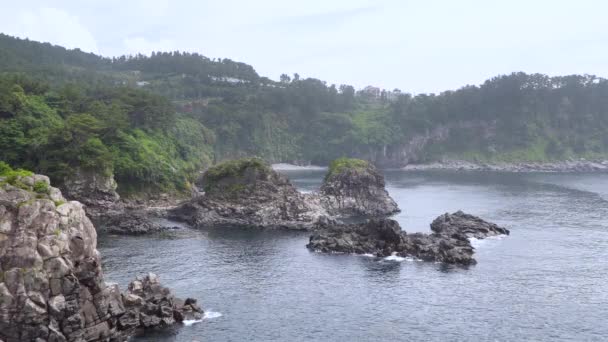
{"type": "Point", "coordinates": [475, 242]}
{"type": "Point", "coordinates": [206, 315]}
{"type": "Point", "coordinates": [369, 255]}
{"type": "Point", "coordinates": [211, 314]}
{"type": "Point", "coordinates": [291, 167]}
{"type": "Point", "coordinates": [395, 257]}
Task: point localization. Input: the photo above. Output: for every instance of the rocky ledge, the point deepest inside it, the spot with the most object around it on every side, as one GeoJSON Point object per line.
{"type": "Point", "coordinates": [249, 193]}
{"type": "Point", "coordinates": [449, 242]}
{"type": "Point", "coordinates": [51, 281]}
{"type": "Point", "coordinates": [354, 187]}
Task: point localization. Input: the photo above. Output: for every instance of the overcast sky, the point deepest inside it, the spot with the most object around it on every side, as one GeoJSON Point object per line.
{"type": "Point", "coordinates": [417, 46]}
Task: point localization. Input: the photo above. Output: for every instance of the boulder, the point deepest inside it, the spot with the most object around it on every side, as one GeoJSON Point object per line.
{"type": "Point", "coordinates": [449, 242]}
{"type": "Point", "coordinates": [51, 281]}
{"type": "Point", "coordinates": [249, 193]}
{"type": "Point", "coordinates": [354, 187]}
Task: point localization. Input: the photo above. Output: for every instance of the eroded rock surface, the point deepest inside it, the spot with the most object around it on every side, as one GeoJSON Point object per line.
{"type": "Point", "coordinates": [248, 193]}
{"type": "Point", "coordinates": [449, 243]}
{"type": "Point", "coordinates": [95, 190]}
{"type": "Point", "coordinates": [51, 282]}
{"type": "Point", "coordinates": [354, 187]}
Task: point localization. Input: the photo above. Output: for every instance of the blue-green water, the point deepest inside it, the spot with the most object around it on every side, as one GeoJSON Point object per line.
{"type": "Point", "coordinates": [547, 281]}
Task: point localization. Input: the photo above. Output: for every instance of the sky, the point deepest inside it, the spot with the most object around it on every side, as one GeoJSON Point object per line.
{"type": "Point", "coordinates": [416, 46]}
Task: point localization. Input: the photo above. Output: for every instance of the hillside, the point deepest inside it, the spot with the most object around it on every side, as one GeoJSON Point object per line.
{"type": "Point", "coordinates": [156, 120]}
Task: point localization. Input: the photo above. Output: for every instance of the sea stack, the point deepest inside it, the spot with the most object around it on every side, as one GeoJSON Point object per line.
{"type": "Point", "coordinates": [355, 188]}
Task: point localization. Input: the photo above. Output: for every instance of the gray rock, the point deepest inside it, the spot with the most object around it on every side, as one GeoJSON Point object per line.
{"type": "Point", "coordinates": [51, 281]}
{"type": "Point", "coordinates": [353, 192]}
{"type": "Point", "coordinates": [449, 242]}
{"type": "Point", "coordinates": [248, 193]}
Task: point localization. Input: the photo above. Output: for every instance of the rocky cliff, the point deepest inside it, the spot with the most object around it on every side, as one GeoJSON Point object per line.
{"type": "Point", "coordinates": [51, 281]}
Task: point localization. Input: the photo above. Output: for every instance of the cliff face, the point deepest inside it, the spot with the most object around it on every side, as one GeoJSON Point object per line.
{"type": "Point", "coordinates": [51, 282]}
{"type": "Point", "coordinates": [412, 150]}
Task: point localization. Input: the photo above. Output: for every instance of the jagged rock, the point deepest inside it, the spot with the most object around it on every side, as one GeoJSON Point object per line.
{"type": "Point", "coordinates": [354, 187]}
{"type": "Point", "coordinates": [467, 225]}
{"type": "Point", "coordinates": [95, 190]}
{"type": "Point", "coordinates": [449, 243]}
{"type": "Point", "coordinates": [249, 193]}
{"type": "Point", "coordinates": [148, 305]}
{"type": "Point", "coordinates": [51, 281]}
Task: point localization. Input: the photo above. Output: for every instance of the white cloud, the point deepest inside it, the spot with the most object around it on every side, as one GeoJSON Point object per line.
{"type": "Point", "coordinates": [50, 25]}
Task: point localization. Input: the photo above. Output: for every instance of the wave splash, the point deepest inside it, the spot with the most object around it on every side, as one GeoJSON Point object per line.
{"type": "Point", "coordinates": [206, 315]}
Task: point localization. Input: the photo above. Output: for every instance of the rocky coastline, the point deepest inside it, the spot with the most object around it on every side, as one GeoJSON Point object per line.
{"type": "Point", "coordinates": [448, 243]}
{"type": "Point", "coordinates": [577, 165]}
{"type": "Point", "coordinates": [52, 286]}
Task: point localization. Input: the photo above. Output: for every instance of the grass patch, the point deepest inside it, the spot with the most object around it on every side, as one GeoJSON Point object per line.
{"type": "Point", "coordinates": [341, 165]}
{"type": "Point", "coordinates": [232, 168]}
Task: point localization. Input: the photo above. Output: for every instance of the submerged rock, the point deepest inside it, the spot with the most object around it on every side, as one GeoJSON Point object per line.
{"type": "Point", "coordinates": [354, 187]}
{"type": "Point", "coordinates": [249, 193]}
{"type": "Point", "coordinates": [51, 281]}
{"type": "Point", "coordinates": [384, 237]}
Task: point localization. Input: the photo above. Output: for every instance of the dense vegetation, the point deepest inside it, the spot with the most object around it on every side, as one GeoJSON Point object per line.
{"type": "Point", "coordinates": [157, 120]}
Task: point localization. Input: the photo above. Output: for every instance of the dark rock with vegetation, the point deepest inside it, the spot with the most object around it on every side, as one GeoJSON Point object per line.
{"type": "Point", "coordinates": [449, 243]}
{"type": "Point", "coordinates": [468, 225]}
{"type": "Point", "coordinates": [354, 187]}
{"type": "Point", "coordinates": [51, 281]}
{"type": "Point", "coordinates": [249, 193]}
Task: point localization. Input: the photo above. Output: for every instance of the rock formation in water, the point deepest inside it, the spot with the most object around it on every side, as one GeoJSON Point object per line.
{"type": "Point", "coordinates": [468, 225]}
{"type": "Point", "coordinates": [248, 193]}
{"type": "Point", "coordinates": [449, 243]}
{"type": "Point", "coordinates": [354, 187]}
{"type": "Point", "coordinates": [51, 281]}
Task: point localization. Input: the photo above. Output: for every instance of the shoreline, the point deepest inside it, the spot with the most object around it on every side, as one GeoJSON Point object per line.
{"type": "Point", "coordinates": [557, 167]}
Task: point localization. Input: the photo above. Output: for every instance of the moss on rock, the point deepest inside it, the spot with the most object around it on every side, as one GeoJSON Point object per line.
{"type": "Point", "coordinates": [341, 165]}
{"type": "Point", "coordinates": [234, 175]}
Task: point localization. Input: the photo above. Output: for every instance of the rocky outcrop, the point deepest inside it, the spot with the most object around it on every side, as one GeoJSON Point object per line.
{"type": "Point", "coordinates": [449, 242]}
{"type": "Point", "coordinates": [131, 222]}
{"type": "Point", "coordinates": [51, 281]}
{"type": "Point", "coordinates": [148, 304]}
{"type": "Point", "coordinates": [470, 226]}
{"type": "Point", "coordinates": [354, 187]}
{"type": "Point", "coordinates": [95, 190]}
{"type": "Point", "coordinates": [248, 193]}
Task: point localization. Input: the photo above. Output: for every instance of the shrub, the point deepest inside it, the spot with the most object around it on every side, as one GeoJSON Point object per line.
{"type": "Point", "coordinates": [41, 187]}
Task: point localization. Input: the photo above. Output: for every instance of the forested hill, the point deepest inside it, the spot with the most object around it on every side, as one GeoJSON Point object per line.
{"type": "Point", "coordinates": [156, 120]}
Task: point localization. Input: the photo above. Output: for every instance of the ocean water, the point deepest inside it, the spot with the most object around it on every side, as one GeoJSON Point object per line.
{"type": "Point", "coordinates": [547, 281]}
